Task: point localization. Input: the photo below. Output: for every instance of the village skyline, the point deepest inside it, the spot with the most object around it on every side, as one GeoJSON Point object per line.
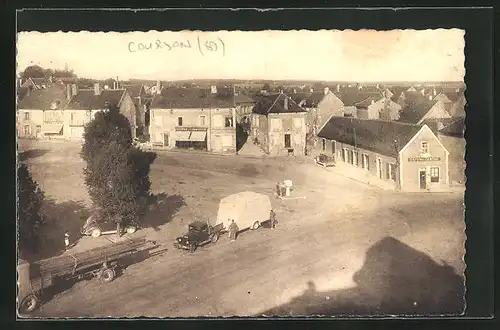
{"type": "Point", "coordinates": [354, 56]}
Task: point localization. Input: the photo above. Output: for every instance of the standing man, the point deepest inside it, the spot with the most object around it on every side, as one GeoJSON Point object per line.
{"type": "Point", "coordinates": [233, 230]}
{"type": "Point", "coordinates": [66, 240]}
{"type": "Point", "coordinates": [273, 219]}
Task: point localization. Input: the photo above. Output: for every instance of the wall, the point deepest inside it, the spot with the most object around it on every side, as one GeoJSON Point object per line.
{"type": "Point", "coordinates": [219, 137]}
{"type": "Point", "coordinates": [328, 106]}
{"type": "Point", "coordinates": [35, 119]}
{"type": "Point", "coordinates": [456, 161]}
{"type": "Point", "coordinates": [287, 123]}
{"type": "Point", "coordinates": [367, 175]}
{"type": "Point", "coordinates": [410, 169]}
{"type": "Point", "coordinates": [379, 110]}
{"type": "Point", "coordinates": [260, 130]}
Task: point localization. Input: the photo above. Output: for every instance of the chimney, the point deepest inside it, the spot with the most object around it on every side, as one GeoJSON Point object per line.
{"type": "Point", "coordinates": [372, 101]}
{"type": "Point", "coordinates": [434, 92]}
{"type": "Point", "coordinates": [423, 91]}
{"type": "Point", "coordinates": [326, 90]}
{"type": "Point", "coordinates": [213, 89]}
{"type": "Point", "coordinates": [97, 89]}
{"type": "Point", "coordinates": [74, 89]}
{"type": "Point", "coordinates": [68, 91]}
{"type": "Point", "coordinates": [338, 88]}
{"type": "Point", "coordinates": [158, 87]}
{"type": "Point", "coordinates": [285, 103]}
{"type": "Point", "coordinates": [117, 82]}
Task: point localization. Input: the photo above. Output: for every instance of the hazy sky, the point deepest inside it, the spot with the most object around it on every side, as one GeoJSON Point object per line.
{"type": "Point", "coordinates": [367, 55]}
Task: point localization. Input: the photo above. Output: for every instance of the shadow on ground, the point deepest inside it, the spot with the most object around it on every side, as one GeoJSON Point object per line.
{"type": "Point", "coordinates": [394, 280]}
{"type": "Point", "coordinates": [33, 153]}
{"type": "Point", "coordinates": [161, 210]}
{"type": "Point", "coordinates": [59, 217]}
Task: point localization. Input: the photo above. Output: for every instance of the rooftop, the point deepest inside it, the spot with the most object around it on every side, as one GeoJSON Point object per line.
{"type": "Point", "coordinates": [277, 103]}
{"type": "Point", "coordinates": [414, 111]}
{"type": "Point", "coordinates": [456, 128]}
{"type": "Point", "coordinates": [52, 97]}
{"type": "Point", "coordinates": [87, 100]}
{"type": "Point", "coordinates": [383, 137]}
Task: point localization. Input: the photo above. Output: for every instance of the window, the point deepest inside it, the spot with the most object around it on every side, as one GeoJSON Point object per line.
{"type": "Point", "coordinates": [355, 158]}
{"type": "Point", "coordinates": [72, 120]}
{"type": "Point", "coordinates": [424, 147]}
{"type": "Point", "coordinates": [387, 171]}
{"type": "Point", "coordinates": [26, 116]}
{"type": "Point", "coordinates": [344, 155]}
{"type": "Point", "coordinates": [379, 168]}
{"type": "Point", "coordinates": [202, 120]}
{"type": "Point", "coordinates": [228, 122]}
{"type": "Point", "coordinates": [350, 157]}
{"type": "Point", "coordinates": [333, 147]}
{"type": "Point", "coordinates": [434, 174]}
{"type": "Point", "coordinates": [179, 121]}
{"type": "Point", "coordinates": [392, 172]}
{"type": "Point", "coordinates": [323, 144]}
{"type": "Point", "coordinates": [26, 129]}
{"type": "Point", "coordinates": [366, 162]}
{"type": "Point", "coordinates": [288, 142]}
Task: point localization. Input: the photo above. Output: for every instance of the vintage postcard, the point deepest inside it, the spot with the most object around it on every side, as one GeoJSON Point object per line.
{"type": "Point", "coordinates": [232, 173]}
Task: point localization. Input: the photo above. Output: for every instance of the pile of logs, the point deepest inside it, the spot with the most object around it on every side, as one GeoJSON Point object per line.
{"type": "Point", "coordinates": [72, 263]}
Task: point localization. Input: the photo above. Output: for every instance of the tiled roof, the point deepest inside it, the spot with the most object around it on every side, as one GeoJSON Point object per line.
{"type": "Point", "coordinates": [87, 100]}
{"type": "Point", "coordinates": [456, 128]}
{"type": "Point", "coordinates": [397, 91]}
{"type": "Point", "coordinates": [414, 111]}
{"type": "Point", "coordinates": [313, 99]}
{"type": "Point", "coordinates": [383, 137]}
{"type": "Point", "coordinates": [275, 103]}
{"type": "Point", "coordinates": [43, 99]}
{"type": "Point", "coordinates": [299, 96]}
{"type": "Point", "coordinates": [191, 98]}
{"type": "Point", "coordinates": [367, 101]}
{"type": "Point", "coordinates": [22, 92]}
{"type": "Point", "coordinates": [434, 123]}
{"type": "Point", "coordinates": [135, 90]}
{"type": "Point", "coordinates": [351, 96]}
{"type": "Point", "coordinates": [242, 98]}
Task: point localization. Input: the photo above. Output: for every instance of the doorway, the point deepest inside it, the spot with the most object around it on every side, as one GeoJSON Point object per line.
{"type": "Point", "coordinates": [288, 142]}
{"type": "Point", "coordinates": [423, 178]}
{"type": "Point", "coordinates": [166, 139]}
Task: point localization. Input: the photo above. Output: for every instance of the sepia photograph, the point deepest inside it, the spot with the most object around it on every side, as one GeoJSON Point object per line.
{"type": "Point", "coordinates": [181, 174]}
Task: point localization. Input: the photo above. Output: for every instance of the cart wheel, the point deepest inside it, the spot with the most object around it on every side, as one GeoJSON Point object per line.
{"type": "Point", "coordinates": [107, 275]}
{"type": "Point", "coordinates": [192, 248]}
{"type": "Point", "coordinates": [29, 304]}
{"type": "Point", "coordinates": [214, 238]}
{"type": "Point", "coordinates": [96, 233]}
{"type": "Point", "coordinates": [256, 225]}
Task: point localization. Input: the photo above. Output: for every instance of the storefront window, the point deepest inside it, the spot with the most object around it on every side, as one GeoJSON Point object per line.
{"type": "Point", "coordinates": [434, 174]}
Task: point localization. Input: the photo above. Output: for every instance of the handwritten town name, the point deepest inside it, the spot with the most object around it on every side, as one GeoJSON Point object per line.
{"type": "Point", "coordinates": [423, 159]}
{"type": "Point", "coordinates": [204, 46]}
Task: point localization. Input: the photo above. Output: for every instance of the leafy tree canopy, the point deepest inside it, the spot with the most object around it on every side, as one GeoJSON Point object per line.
{"type": "Point", "coordinates": [30, 198]}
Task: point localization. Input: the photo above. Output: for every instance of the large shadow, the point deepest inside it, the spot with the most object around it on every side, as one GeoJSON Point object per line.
{"type": "Point", "coordinates": [161, 210]}
{"type": "Point", "coordinates": [58, 217]}
{"type": "Point", "coordinates": [394, 280]}
{"type": "Point", "coordinates": [33, 153]}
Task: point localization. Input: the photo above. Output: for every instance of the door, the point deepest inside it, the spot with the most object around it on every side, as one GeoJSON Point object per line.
{"type": "Point", "coordinates": [288, 143]}
{"type": "Point", "coordinates": [423, 179]}
{"type": "Point", "coordinates": [166, 139]}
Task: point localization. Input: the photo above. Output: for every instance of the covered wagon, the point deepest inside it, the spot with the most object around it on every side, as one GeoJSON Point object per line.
{"type": "Point", "coordinates": [248, 209]}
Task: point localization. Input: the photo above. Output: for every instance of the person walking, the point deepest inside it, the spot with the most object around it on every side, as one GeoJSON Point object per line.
{"type": "Point", "coordinates": [66, 240]}
{"type": "Point", "coordinates": [273, 219]}
{"type": "Point", "coordinates": [233, 230]}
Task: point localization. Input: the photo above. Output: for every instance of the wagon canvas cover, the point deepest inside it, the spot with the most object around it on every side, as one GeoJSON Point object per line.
{"type": "Point", "coordinates": [245, 208]}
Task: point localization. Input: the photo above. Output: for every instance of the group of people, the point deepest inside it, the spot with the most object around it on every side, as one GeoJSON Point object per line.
{"type": "Point", "coordinates": [233, 227]}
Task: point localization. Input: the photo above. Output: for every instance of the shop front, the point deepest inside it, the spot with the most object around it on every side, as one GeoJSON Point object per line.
{"type": "Point", "coordinates": [191, 138]}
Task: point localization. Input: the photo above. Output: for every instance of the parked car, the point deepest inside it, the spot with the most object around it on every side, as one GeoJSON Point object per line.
{"type": "Point", "coordinates": [96, 227]}
{"type": "Point", "coordinates": [324, 160]}
{"type": "Point", "coordinates": [199, 233]}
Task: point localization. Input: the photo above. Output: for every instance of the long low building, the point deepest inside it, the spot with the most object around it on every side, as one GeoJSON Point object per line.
{"type": "Point", "coordinates": [409, 157]}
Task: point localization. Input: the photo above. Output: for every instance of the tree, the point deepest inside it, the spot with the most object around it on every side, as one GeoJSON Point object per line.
{"type": "Point", "coordinates": [33, 71]}
{"type": "Point", "coordinates": [30, 198]}
{"type": "Point", "coordinates": [116, 173]}
{"type": "Point", "coordinates": [266, 87]}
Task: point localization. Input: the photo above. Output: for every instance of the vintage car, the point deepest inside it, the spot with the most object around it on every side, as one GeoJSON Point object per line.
{"type": "Point", "coordinates": [199, 233]}
{"type": "Point", "coordinates": [95, 228]}
{"type": "Point", "coordinates": [324, 160]}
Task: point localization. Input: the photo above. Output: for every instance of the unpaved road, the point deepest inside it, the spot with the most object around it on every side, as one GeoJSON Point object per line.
{"type": "Point", "coordinates": [321, 241]}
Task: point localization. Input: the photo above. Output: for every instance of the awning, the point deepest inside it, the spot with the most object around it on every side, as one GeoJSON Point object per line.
{"type": "Point", "coordinates": [198, 136]}
{"type": "Point", "coordinates": [52, 128]}
{"type": "Point", "coordinates": [182, 135]}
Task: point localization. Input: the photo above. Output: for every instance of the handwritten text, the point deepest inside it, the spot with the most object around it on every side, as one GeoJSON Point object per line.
{"type": "Point", "coordinates": [203, 46]}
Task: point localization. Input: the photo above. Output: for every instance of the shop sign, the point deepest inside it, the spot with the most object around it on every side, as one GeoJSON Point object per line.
{"type": "Point", "coordinates": [424, 159]}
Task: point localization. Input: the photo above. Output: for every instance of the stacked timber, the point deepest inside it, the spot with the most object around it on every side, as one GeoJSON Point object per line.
{"type": "Point", "coordinates": [73, 263]}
